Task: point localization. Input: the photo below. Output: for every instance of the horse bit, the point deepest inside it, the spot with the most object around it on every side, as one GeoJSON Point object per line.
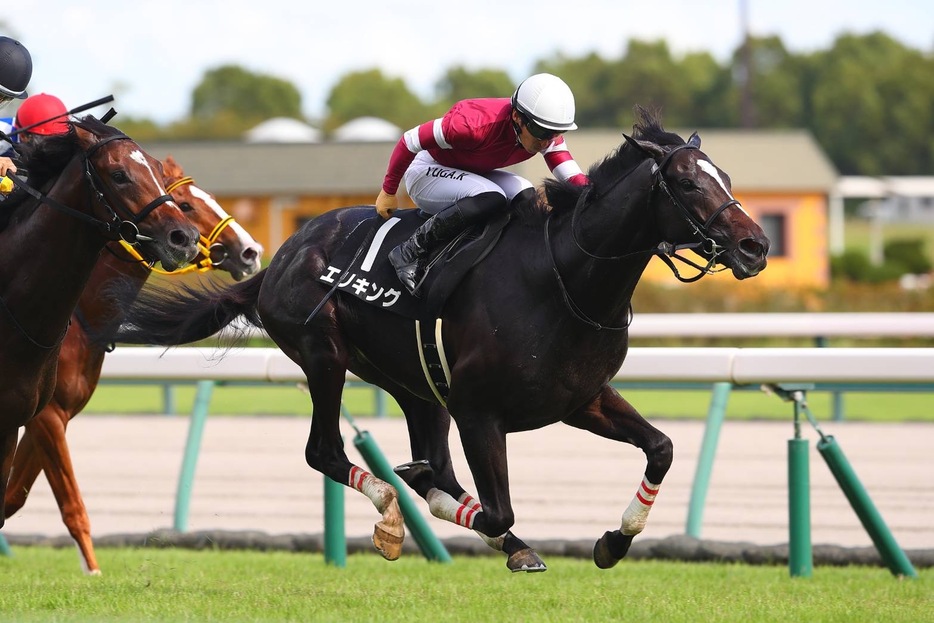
{"type": "Point", "coordinates": [215, 253]}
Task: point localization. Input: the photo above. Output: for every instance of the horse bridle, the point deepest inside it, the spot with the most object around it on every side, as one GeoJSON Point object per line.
{"type": "Point", "coordinates": [215, 253]}
{"type": "Point", "coordinates": [707, 245]}
{"type": "Point", "coordinates": [665, 250]}
{"type": "Point", "coordinates": [114, 229]}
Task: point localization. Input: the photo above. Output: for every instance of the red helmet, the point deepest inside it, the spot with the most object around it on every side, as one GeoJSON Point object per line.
{"type": "Point", "coordinates": [38, 108]}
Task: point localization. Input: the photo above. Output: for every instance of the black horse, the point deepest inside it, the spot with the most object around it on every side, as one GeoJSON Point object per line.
{"type": "Point", "coordinates": [532, 336]}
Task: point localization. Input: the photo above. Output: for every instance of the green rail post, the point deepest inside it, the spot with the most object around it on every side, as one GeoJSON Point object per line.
{"type": "Point", "coordinates": [186, 477]}
{"type": "Point", "coordinates": [335, 538]}
{"type": "Point", "coordinates": [859, 499]}
{"type": "Point", "coordinates": [800, 558]}
{"type": "Point", "coordinates": [800, 555]}
{"type": "Point", "coordinates": [715, 416]}
{"type": "Point", "coordinates": [5, 547]}
{"type": "Point", "coordinates": [432, 548]}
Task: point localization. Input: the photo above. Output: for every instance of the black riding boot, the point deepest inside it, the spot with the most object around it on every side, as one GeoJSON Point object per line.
{"type": "Point", "coordinates": [410, 259]}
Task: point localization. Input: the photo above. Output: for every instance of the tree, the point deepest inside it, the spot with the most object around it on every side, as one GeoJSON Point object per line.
{"type": "Point", "coordinates": [459, 83]}
{"type": "Point", "coordinates": [871, 103]}
{"type": "Point", "coordinates": [243, 97]}
{"type": "Point", "coordinates": [370, 93]}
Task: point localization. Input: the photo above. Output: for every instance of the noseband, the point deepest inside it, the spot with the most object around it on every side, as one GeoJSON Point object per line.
{"type": "Point", "coordinates": [707, 245]}
{"type": "Point", "coordinates": [215, 253]}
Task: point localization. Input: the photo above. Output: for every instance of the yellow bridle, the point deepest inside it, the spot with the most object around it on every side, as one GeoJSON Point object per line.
{"type": "Point", "coordinates": [204, 243]}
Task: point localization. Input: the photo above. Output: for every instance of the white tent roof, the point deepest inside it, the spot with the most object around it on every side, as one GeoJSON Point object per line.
{"type": "Point", "coordinates": [283, 130]}
{"type": "Point", "coordinates": [364, 129]}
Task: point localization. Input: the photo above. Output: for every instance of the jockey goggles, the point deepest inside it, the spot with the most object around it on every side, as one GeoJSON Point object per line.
{"type": "Point", "coordinates": [537, 131]}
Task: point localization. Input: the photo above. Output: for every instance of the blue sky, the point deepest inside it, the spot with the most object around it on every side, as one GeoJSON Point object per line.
{"type": "Point", "coordinates": [151, 55]}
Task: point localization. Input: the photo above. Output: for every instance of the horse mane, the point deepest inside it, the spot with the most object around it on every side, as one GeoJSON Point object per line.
{"type": "Point", "coordinates": [46, 157]}
{"type": "Point", "coordinates": [563, 195]}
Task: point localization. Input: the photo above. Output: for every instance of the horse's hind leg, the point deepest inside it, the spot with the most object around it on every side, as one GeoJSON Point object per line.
{"type": "Point", "coordinates": [610, 415]}
{"type": "Point", "coordinates": [431, 475]}
{"type": "Point", "coordinates": [324, 451]}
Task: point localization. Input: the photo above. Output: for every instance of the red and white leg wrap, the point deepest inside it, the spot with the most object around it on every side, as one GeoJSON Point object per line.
{"type": "Point", "coordinates": [443, 506]}
{"type": "Point", "coordinates": [379, 491]}
{"type": "Point", "coordinates": [635, 516]}
{"type": "Point", "coordinates": [470, 502]}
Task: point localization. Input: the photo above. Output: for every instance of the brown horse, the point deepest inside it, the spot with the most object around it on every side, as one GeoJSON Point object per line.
{"type": "Point", "coordinates": [532, 336]}
{"type": "Point", "coordinates": [88, 186]}
{"type": "Point", "coordinates": [224, 245]}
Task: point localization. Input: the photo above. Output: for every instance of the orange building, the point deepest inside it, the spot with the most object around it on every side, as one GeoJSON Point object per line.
{"type": "Point", "coordinates": [782, 178]}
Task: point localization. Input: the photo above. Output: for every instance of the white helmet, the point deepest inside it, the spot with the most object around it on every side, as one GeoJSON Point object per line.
{"type": "Point", "coordinates": [547, 101]}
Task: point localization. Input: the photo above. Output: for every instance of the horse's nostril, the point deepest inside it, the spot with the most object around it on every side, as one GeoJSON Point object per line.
{"type": "Point", "coordinates": [754, 247]}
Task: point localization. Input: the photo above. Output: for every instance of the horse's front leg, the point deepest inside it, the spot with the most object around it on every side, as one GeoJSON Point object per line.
{"type": "Point", "coordinates": [324, 450]}
{"type": "Point", "coordinates": [610, 415]}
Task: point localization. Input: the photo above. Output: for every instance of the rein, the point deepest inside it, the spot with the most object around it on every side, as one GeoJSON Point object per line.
{"type": "Point", "coordinates": [665, 250]}
{"type": "Point", "coordinates": [207, 245]}
{"type": "Point", "coordinates": [125, 231]}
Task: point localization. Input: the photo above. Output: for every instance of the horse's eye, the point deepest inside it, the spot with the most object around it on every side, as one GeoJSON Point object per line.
{"type": "Point", "coordinates": [185, 206]}
{"type": "Point", "coordinates": [687, 184]}
{"type": "Point", "coordinates": [120, 177]}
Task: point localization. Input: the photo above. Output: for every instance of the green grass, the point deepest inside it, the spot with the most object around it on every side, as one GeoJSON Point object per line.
{"type": "Point", "coordinates": [141, 585]}
{"type": "Point", "coordinates": [266, 399]}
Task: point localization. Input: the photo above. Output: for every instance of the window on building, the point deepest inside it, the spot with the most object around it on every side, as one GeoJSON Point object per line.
{"type": "Point", "coordinates": [774, 227]}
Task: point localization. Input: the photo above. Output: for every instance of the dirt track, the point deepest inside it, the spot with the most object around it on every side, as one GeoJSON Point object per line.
{"type": "Point", "coordinates": [566, 484]}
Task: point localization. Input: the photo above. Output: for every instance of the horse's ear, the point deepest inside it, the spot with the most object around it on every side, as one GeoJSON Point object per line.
{"type": "Point", "coordinates": [648, 147]}
{"type": "Point", "coordinates": [694, 140]}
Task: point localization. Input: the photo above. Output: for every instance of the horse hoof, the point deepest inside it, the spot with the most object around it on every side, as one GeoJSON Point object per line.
{"type": "Point", "coordinates": [388, 541]}
{"type": "Point", "coordinates": [418, 475]}
{"type": "Point", "coordinates": [526, 560]}
{"type": "Point", "coordinates": [611, 548]}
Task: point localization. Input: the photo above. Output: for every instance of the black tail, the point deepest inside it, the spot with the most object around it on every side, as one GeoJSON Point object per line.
{"type": "Point", "coordinates": [169, 317]}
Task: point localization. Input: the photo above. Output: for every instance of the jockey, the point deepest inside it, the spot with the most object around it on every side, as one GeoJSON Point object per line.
{"type": "Point", "coordinates": [452, 166]}
{"type": "Point", "coordinates": [15, 73]}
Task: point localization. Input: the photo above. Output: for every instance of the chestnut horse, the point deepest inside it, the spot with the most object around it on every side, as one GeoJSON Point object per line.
{"type": "Point", "coordinates": [224, 245]}
{"type": "Point", "coordinates": [87, 186]}
{"type": "Point", "coordinates": [532, 336]}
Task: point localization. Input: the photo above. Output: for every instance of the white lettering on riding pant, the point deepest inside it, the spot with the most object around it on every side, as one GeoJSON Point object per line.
{"type": "Point", "coordinates": [446, 173]}
{"type": "Point", "coordinates": [711, 170]}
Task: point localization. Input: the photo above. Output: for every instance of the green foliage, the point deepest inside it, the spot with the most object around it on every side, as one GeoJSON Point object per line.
{"type": "Point", "coordinates": [370, 93]}
{"type": "Point", "coordinates": [240, 98]}
{"type": "Point", "coordinates": [868, 99]}
{"type": "Point", "coordinates": [908, 254]}
{"type": "Point", "coordinates": [901, 256]}
{"type": "Point", "coordinates": [459, 83]}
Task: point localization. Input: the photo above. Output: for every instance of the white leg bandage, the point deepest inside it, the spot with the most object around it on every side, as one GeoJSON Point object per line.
{"type": "Point", "coordinates": [443, 506]}
{"type": "Point", "coordinates": [636, 514]}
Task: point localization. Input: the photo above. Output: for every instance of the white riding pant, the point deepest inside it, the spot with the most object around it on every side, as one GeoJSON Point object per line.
{"type": "Point", "coordinates": [434, 187]}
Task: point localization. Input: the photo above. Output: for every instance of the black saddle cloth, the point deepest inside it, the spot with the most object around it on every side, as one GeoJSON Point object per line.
{"type": "Point", "coordinates": [361, 267]}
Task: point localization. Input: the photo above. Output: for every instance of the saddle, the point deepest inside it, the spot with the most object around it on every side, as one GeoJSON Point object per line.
{"type": "Point", "coordinates": [361, 268]}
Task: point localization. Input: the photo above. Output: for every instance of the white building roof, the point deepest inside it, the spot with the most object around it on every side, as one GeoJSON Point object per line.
{"type": "Point", "coordinates": [367, 129]}
{"type": "Point", "coordinates": [283, 130]}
